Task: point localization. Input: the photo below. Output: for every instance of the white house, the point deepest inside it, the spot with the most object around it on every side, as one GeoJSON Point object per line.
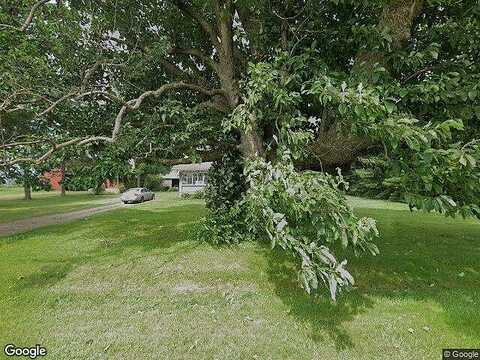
{"type": "Point", "coordinates": [188, 178]}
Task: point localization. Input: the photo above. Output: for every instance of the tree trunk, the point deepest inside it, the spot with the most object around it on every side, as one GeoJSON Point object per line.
{"type": "Point", "coordinates": [27, 190]}
{"type": "Point", "coordinates": [139, 180]}
{"type": "Point", "coordinates": [251, 144]}
{"type": "Point", "coordinates": [62, 183]}
{"type": "Point", "coordinates": [397, 18]}
{"type": "Point", "coordinates": [333, 148]}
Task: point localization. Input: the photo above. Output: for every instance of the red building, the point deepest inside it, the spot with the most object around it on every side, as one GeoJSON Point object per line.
{"type": "Point", "coordinates": [54, 177]}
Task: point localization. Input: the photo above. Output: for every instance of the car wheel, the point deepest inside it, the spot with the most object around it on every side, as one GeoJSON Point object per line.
{"type": "Point", "coordinates": [142, 199]}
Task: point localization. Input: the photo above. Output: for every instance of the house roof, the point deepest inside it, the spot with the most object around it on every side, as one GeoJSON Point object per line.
{"type": "Point", "coordinates": [177, 169]}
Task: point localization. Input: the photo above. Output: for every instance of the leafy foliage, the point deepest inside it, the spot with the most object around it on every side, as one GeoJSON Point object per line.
{"type": "Point", "coordinates": [303, 213]}
{"type": "Point", "coordinates": [369, 179]}
{"type": "Point", "coordinates": [226, 182]}
{"type": "Point", "coordinates": [307, 216]}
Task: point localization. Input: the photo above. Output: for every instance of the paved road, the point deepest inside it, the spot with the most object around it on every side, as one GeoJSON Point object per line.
{"type": "Point", "coordinates": [23, 225]}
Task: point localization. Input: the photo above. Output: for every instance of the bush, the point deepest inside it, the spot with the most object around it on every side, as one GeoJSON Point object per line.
{"type": "Point", "coordinates": [79, 183]}
{"type": "Point", "coordinates": [369, 179]}
{"type": "Point", "coordinates": [224, 226]}
{"type": "Point", "coordinates": [121, 188]}
{"type": "Point", "coordinates": [185, 196]}
{"type": "Point", "coordinates": [226, 182]}
{"type": "Point", "coordinates": [198, 194]}
{"type": "Point", "coordinates": [153, 182]}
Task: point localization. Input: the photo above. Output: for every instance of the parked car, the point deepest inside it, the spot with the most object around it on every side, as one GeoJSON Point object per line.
{"type": "Point", "coordinates": [135, 195]}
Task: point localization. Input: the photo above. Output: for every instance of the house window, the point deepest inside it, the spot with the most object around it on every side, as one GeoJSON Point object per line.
{"type": "Point", "coordinates": [195, 179]}
{"type": "Point", "coordinates": [199, 179]}
{"type": "Point", "coordinates": [187, 179]}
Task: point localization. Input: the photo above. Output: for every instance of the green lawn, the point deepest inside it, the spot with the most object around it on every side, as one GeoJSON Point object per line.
{"type": "Point", "coordinates": [132, 284]}
{"type": "Point", "coordinates": [13, 207]}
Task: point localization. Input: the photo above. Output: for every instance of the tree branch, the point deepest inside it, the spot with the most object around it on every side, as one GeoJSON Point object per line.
{"type": "Point", "coordinates": [20, 143]}
{"type": "Point", "coordinates": [208, 61]}
{"type": "Point", "coordinates": [131, 105]}
{"type": "Point", "coordinates": [135, 104]}
{"type": "Point", "coordinates": [206, 27]}
{"type": "Point", "coordinates": [29, 18]}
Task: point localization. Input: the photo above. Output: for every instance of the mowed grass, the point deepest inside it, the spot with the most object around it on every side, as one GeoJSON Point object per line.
{"type": "Point", "coordinates": [13, 207]}
{"type": "Point", "coordinates": [133, 284]}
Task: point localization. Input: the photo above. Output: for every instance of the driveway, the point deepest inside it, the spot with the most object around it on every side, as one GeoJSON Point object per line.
{"type": "Point", "coordinates": [24, 225]}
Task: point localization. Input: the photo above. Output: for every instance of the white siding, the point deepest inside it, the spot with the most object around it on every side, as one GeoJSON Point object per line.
{"type": "Point", "coordinates": [188, 189]}
{"type": "Point", "coordinates": [167, 182]}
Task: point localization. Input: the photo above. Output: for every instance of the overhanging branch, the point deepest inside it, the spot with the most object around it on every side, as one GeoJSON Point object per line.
{"type": "Point", "coordinates": [208, 61]}
{"type": "Point", "coordinates": [131, 105]}
{"type": "Point", "coordinates": [206, 27]}
{"type": "Point", "coordinates": [29, 18]}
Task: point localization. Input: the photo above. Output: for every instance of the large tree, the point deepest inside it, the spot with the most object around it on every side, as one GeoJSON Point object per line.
{"type": "Point", "coordinates": [286, 85]}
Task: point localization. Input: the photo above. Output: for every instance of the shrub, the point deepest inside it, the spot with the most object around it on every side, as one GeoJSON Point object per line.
{"type": "Point", "coordinates": [198, 194]}
{"type": "Point", "coordinates": [153, 182]}
{"type": "Point", "coordinates": [226, 182]}
{"type": "Point", "coordinates": [369, 178]}
{"type": "Point", "coordinates": [224, 226]}
{"type": "Point", "coordinates": [185, 196]}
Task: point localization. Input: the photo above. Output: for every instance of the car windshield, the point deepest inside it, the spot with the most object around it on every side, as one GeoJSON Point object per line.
{"type": "Point", "coordinates": [134, 190]}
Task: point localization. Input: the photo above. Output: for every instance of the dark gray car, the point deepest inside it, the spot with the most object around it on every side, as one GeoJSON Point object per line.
{"type": "Point", "coordinates": [135, 195]}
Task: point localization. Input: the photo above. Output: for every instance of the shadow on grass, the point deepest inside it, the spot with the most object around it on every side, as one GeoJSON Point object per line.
{"type": "Point", "coordinates": [318, 311]}
{"type": "Point", "coordinates": [427, 257]}
{"type": "Point", "coordinates": [422, 258]}
{"type": "Point", "coordinates": [47, 275]}
{"type": "Point", "coordinates": [116, 235]}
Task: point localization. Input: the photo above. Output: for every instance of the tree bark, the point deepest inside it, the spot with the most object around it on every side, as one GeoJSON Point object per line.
{"type": "Point", "coordinates": [62, 183]}
{"type": "Point", "coordinates": [251, 145]}
{"type": "Point", "coordinates": [333, 148]}
{"type": "Point", "coordinates": [27, 190]}
{"type": "Point", "coordinates": [397, 18]}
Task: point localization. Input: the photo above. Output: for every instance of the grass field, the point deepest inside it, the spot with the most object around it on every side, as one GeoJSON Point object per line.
{"type": "Point", "coordinates": [132, 284]}
{"type": "Point", "coordinates": [13, 207]}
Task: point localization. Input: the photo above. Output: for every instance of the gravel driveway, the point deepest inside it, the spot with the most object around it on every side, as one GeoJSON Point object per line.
{"type": "Point", "coordinates": [23, 225]}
